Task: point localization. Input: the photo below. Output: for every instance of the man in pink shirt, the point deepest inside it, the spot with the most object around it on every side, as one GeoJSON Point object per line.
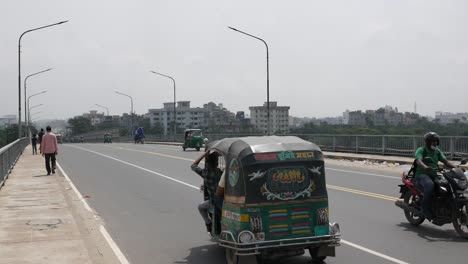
{"type": "Point", "coordinates": [49, 149]}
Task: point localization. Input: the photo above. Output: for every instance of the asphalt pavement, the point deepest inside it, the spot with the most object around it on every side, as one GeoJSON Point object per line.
{"type": "Point", "coordinates": [148, 196]}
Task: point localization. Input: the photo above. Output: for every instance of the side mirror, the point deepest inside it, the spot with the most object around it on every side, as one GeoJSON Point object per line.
{"type": "Point", "coordinates": [463, 162]}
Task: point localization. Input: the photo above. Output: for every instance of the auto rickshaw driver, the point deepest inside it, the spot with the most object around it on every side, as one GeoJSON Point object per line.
{"type": "Point", "coordinates": [211, 175]}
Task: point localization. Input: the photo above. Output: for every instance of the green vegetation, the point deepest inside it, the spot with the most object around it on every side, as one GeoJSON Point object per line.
{"type": "Point", "coordinates": [422, 126]}
{"type": "Point", "coordinates": [80, 125]}
{"type": "Point", "coordinates": [8, 135]}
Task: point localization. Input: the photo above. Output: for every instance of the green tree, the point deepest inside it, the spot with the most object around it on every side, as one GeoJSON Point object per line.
{"type": "Point", "coordinates": [80, 124]}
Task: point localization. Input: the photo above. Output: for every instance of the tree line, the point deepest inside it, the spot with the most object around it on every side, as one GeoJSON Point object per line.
{"type": "Point", "coordinates": [421, 126]}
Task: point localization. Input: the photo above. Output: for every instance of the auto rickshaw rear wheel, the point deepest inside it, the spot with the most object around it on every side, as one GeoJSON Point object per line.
{"type": "Point", "coordinates": [314, 255]}
{"type": "Point", "coordinates": [231, 257]}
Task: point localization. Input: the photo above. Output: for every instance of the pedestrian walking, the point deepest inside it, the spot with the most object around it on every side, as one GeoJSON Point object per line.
{"type": "Point", "coordinates": [49, 150]}
{"type": "Point", "coordinates": [34, 144]}
{"type": "Point", "coordinates": [40, 135]}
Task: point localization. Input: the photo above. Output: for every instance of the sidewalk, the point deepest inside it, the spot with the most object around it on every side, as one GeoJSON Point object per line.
{"type": "Point", "coordinates": [40, 221]}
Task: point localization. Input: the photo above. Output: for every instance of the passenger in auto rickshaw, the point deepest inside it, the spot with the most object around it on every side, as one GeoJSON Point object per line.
{"type": "Point", "coordinates": [211, 175]}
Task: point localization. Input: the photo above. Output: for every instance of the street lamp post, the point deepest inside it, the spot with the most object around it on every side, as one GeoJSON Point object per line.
{"type": "Point", "coordinates": [33, 96]}
{"type": "Point", "coordinates": [29, 117]}
{"type": "Point", "coordinates": [268, 74]}
{"type": "Point", "coordinates": [19, 69]}
{"type": "Point", "coordinates": [175, 112]}
{"type": "Point", "coordinates": [107, 109]}
{"type": "Point", "coordinates": [25, 93]}
{"type": "Point", "coordinates": [131, 106]}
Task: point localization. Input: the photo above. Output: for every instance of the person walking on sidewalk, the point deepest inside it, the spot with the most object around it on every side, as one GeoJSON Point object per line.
{"type": "Point", "coordinates": [49, 149]}
{"type": "Point", "coordinates": [40, 135]}
{"type": "Point", "coordinates": [34, 144]}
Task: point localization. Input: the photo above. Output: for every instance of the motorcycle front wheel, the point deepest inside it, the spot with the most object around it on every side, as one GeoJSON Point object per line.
{"type": "Point", "coordinates": [411, 200]}
{"type": "Point", "coordinates": [460, 220]}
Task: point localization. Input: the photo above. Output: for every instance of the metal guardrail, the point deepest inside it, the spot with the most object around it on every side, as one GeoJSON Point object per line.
{"type": "Point", "coordinates": [453, 147]}
{"type": "Point", "coordinates": [392, 145]}
{"type": "Point", "coordinates": [8, 157]}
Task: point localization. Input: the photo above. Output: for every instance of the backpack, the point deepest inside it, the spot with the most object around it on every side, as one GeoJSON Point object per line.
{"type": "Point", "coordinates": [412, 171]}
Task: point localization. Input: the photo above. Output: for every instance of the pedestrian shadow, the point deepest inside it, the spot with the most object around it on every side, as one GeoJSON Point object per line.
{"type": "Point", "coordinates": [45, 175]}
{"type": "Point", "coordinates": [204, 254]}
{"type": "Point", "coordinates": [433, 234]}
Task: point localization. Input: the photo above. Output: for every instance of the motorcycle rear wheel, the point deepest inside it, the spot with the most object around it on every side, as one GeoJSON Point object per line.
{"type": "Point", "coordinates": [410, 199]}
{"type": "Point", "coordinates": [460, 220]}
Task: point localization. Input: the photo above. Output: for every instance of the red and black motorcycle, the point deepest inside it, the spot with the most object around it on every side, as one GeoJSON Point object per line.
{"type": "Point", "coordinates": [450, 202]}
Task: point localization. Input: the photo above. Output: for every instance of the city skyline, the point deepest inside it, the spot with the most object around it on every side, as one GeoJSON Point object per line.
{"type": "Point", "coordinates": [324, 56]}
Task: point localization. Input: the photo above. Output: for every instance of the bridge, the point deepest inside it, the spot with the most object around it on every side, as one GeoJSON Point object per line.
{"type": "Point", "coordinates": [127, 203]}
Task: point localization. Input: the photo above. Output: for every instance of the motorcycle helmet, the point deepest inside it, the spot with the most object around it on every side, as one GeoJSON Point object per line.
{"type": "Point", "coordinates": [430, 137]}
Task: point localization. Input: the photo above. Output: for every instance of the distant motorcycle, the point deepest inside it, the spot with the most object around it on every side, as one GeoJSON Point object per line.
{"type": "Point", "coordinates": [450, 203]}
{"type": "Point", "coordinates": [139, 136]}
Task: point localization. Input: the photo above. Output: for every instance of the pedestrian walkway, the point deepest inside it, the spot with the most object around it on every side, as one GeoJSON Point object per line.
{"type": "Point", "coordinates": [37, 221]}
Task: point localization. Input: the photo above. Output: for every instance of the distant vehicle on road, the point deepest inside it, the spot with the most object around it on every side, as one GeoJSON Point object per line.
{"type": "Point", "coordinates": [139, 136]}
{"type": "Point", "coordinates": [275, 200]}
{"type": "Point", "coordinates": [193, 138]}
{"type": "Point", "coordinates": [59, 138]}
{"type": "Point", "coordinates": [107, 138]}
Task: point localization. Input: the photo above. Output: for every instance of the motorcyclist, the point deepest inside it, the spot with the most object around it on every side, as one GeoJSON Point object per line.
{"type": "Point", "coordinates": [426, 171]}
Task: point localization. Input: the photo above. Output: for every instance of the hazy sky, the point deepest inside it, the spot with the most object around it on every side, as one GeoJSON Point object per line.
{"type": "Point", "coordinates": [325, 56]}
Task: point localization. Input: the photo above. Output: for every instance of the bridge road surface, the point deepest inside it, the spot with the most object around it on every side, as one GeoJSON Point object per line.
{"type": "Point", "coordinates": [154, 219]}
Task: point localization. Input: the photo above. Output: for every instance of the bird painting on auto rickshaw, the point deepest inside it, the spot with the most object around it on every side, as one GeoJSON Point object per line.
{"type": "Point", "coordinates": [193, 138]}
{"type": "Point", "coordinates": [274, 203]}
{"type": "Point", "coordinates": [107, 138]}
{"type": "Point", "coordinates": [139, 136]}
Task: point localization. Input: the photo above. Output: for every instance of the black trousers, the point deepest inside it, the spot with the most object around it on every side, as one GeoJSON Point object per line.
{"type": "Point", "coordinates": [34, 148]}
{"type": "Point", "coordinates": [50, 158]}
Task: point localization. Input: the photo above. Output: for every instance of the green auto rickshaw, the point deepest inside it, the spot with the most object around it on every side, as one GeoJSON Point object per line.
{"type": "Point", "coordinates": [193, 138]}
{"type": "Point", "coordinates": [275, 200]}
{"type": "Point", "coordinates": [107, 138]}
{"type": "Point", "coordinates": [59, 138]}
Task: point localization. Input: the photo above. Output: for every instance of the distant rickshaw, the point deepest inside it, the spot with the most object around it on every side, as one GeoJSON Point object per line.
{"type": "Point", "coordinates": [59, 138]}
{"type": "Point", "coordinates": [275, 200]}
{"type": "Point", "coordinates": [193, 138]}
{"type": "Point", "coordinates": [107, 138]}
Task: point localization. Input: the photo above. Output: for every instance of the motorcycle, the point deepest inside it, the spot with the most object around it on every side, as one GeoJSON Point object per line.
{"type": "Point", "coordinates": [450, 202]}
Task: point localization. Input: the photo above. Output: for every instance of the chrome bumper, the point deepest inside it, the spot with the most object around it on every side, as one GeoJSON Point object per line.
{"type": "Point", "coordinates": [227, 240]}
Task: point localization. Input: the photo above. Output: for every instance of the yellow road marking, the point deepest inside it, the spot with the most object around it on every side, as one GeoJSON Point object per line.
{"type": "Point", "coordinates": [334, 187]}
{"type": "Point", "coordinates": [375, 195]}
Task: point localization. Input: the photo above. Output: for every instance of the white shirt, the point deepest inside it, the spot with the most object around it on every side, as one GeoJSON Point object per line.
{"type": "Point", "coordinates": [222, 180]}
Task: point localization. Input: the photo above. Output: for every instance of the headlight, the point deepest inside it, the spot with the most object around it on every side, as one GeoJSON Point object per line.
{"type": "Point", "coordinates": [335, 229]}
{"type": "Point", "coordinates": [246, 237]}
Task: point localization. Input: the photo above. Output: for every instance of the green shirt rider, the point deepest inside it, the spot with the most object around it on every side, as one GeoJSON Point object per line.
{"type": "Point", "coordinates": [426, 171]}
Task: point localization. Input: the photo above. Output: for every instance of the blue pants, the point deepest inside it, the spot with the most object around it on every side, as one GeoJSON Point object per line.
{"type": "Point", "coordinates": [427, 184]}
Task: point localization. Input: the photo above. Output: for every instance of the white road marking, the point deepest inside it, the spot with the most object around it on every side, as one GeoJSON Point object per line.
{"type": "Point", "coordinates": [370, 251]}
{"type": "Point", "coordinates": [105, 234]}
{"type": "Point", "coordinates": [365, 173]}
{"type": "Point", "coordinates": [113, 245]}
{"type": "Point", "coordinates": [87, 207]}
{"type": "Point", "coordinates": [138, 167]}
